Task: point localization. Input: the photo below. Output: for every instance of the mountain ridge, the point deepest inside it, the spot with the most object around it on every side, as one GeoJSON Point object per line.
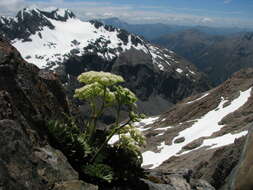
{"type": "Point", "coordinates": [203, 133]}
{"type": "Point", "coordinates": [153, 31]}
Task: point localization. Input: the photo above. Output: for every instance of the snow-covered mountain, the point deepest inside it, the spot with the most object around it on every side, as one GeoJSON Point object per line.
{"type": "Point", "coordinates": [204, 133]}
{"type": "Point", "coordinates": [59, 33]}
{"type": "Point", "coordinates": [58, 40]}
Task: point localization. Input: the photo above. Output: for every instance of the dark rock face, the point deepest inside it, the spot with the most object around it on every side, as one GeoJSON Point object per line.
{"type": "Point", "coordinates": [193, 144]}
{"type": "Point", "coordinates": [30, 167]}
{"type": "Point", "coordinates": [75, 184]}
{"type": "Point", "coordinates": [30, 21]}
{"type": "Point", "coordinates": [142, 76]}
{"type": "Point", "coordinates": [217, 169]}
{"type": "Point", "coordinates": [28, 100]}
{"type": "Point", "coordinates": [156, 90]}
{"type": "Point", "coordinates": [155, 186]}
{"type": "Point", "coordinates": [241, 178]}
{"type": "Point", "coordinates": [58, 14]}
{"type": "Point", "coordinates": [26, 23]}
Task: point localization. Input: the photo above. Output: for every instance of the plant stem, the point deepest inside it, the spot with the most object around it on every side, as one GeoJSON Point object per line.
{"type": "Point", "coordinates": [96, 114]}
{"type": "Point", "coordinates": [114, 131]}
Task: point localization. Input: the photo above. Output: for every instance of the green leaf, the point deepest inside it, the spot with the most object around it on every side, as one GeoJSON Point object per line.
{"type": "Point", "coordinates": [101, 171]}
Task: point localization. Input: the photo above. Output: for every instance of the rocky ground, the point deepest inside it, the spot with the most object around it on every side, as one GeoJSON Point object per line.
{"type": "Point", "coordinates": [213, 156]}
{"type": "Point", "coordinates": [28, 100]}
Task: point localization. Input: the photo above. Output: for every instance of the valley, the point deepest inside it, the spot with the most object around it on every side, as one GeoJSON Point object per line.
{"type": "Point", "coordinates": [218, 56]}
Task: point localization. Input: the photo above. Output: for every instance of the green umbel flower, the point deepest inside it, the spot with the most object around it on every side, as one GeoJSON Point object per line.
{"type": "Point", "coordinates": [103, 78]}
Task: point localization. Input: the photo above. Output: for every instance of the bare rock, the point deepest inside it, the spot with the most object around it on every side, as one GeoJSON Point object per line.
{"type": "Point", "coordinates": [180, 140]}
{"type": "Point", "coordinates": [75, 185]}
{"type": "Point", "coordinates": [28, 100]}
{"type": "Point", "coordinates": [193, 144]}
{"type": "Point", "coordinates": [200, 185]}
{"type": "Point", "coordinates": [242, 176]}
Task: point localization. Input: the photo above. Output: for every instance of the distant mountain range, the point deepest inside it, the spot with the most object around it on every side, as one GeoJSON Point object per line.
{"type": "Point", "coordinates": [218, 56]}
{"type": "Point", "coordinates": [153, 31]}
{"type": "Point", "coordinates": [57, 40]}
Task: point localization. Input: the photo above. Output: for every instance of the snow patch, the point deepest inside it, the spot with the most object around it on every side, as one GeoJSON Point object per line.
{"type": "Point", "coordinates": [163, 128]}
{"type": "Point", "coordinates": [139, 125]}
{"type": "Point", "coordinates": [114, 139]}
{"type": "Point", "coordinates": [192, 72]}
{"type": "Point", "coordinates": [198, 98]}
{"type": "Point", "coordinates": [179, 70]}
{"type": "Point", "coordinates": [203, 127]}
{"type": "Point", "coordinates": [161, 67]}
{"type": "Point", "coordinates": [223, 140]}
{"type": "Point", "coordinates": [61, 12]}
{"type": "Point", "coordinates": [146, 121]}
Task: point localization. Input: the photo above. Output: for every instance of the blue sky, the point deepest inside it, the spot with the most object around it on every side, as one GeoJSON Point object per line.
{"type": "Point", "coordinates": [236, 13]}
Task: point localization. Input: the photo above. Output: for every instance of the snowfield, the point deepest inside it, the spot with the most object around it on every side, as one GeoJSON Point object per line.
{"type": "Point", "coordinates": [49, 47]}
{"type": "Point", "coordinates": [56, 44]}
{"type": "Point", "coordinates": [203, 127]}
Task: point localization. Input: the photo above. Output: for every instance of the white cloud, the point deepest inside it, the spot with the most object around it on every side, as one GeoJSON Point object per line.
{"type": "Point", "coordinates": [227, 1]}
{"type": "Point", "coordinates": [8, 3]}
{"type": "Point", "coordinates": [207, 20]}
{"type": "Point", "coordinates": [9, 6]}
{"type": "Point", "coordinates": [93, 9]}
{"type": "Point", "coordinates": [108, 14]}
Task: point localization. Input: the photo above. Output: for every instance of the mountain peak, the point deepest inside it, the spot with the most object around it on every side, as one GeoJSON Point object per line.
{"type": "Point", "coordinates": [27, 13]}
{"type": "Point", "coordinates": [52, 13]}
{"type": "Point", "coordinates": [28, 21]}
{"type": "Point", "coordinates": [58, 14]}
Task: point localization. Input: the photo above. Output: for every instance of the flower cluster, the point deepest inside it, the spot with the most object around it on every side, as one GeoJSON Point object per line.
{"type": "Point", "coordinates": [103, 84]}
{"type": "Point", "coordinates": [94, 90]}
{"type": "Point", "coordinates": [103, 78]}
{"type": "Point", "coordinates": [102, 90]}
{"type": "Point", "coordinates": [131, 138]}
{"type": "Point", "coordinates": [125, 96]}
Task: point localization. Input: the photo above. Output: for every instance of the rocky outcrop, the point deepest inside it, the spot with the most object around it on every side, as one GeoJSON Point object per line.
{"type": "Point", "coordinates": [181, 179]}
{"type": "Point", "coordinates": [204, 133]}
{"type": "Point", "coordinates": [241, 177]}
{"type": "Point", "coordinates": [30, 21]}
{"type": "Point", "coordinates": [28, 100]}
